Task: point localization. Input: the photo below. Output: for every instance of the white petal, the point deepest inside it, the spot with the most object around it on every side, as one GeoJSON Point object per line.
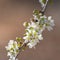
{"type": "Point", "coordinates": [49, 28]}
{"type": "Point", "coordinates": [11, 42]}
{"type": "Point", "coordinates": [9, 59]}
{"type": "Point", "coordinates": [30, 45]}
{"type": "Point", "coordinates": [40, 37]}
{"type": "Point", "coordinates": [25, 41]}
{"type": "Point", "coordinates": [9, 54]}
{"type": "Point", "coordinates": [50, 17]}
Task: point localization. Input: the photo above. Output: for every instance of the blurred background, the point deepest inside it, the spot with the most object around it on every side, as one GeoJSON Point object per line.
{"type": "Point", "coordinates": [12, 15]}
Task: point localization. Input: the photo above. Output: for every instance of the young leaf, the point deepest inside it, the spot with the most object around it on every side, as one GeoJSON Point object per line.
{"type": "Point", "coordinates": [18, 39]}
{"type": "Point", "coordinates": [36, 12]}
{"type": "Point", "coordinates": [44, 1]}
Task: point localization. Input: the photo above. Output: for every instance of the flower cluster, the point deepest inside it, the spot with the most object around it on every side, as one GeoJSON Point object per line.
{"type": "Point", "coordinates": [33, 34]}
{"type": "Point", "coordinates": [35, 28]}
{"type": "Point", "coordinates": [13, 49]}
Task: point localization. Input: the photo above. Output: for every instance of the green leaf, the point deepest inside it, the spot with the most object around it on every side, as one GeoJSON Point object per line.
{"type": "Point", "coordinates": [50, 1]}
{"type": "Point", "coordinates": [19, 45]}
{"type": "Point", "coordinates": [31, 28]}
{"type": "Point", "coordinates": [44, 1]}
{"type": "Point", "coordinates": [18, 39]}
{"type": "Point", "coordinates": [36, 12]}
{"type": "Point", "coordinates": [26, 24]}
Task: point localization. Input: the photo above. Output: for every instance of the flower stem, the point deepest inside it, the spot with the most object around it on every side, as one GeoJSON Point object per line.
{"type": "Point", "coordinates": [20, 49]}
{"type": "Point", "coordinates": [44, 8]}
{"type": "Point", "coordinates": [42, 11]}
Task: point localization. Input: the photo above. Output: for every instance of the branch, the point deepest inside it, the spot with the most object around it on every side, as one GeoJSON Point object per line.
{"type": "Point", "coordinates": [42, 11]}
{"type": "Point", "coordinates": [44, 8]}
{"type": "Point", "coordinates": [20, 49]}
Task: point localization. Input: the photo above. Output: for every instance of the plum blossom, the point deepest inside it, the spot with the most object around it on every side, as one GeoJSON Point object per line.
{"type": "Point", "coordinates": [12, 49]}
{"type": "Point", "coordinates": [33, 34]}
{"type": "Point", "coordinates": [35, 28]}
{"type": "Point", "coordinates": [50, 23]}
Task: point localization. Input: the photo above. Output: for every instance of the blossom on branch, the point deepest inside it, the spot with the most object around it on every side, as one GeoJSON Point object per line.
{"type": "Point", "coordinates": [33, 34]}
{"type": "Point", "coordinates": [13, 49]}
{"type": "Point", "coordinates": [35, 28]}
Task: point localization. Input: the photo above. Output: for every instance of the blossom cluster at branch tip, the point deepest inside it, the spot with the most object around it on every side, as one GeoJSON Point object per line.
{"type": "Point", "coordinates": [13, 50]}
{"type": "Point", "coordinates": [33, 34]}
{"type": "Point", "coordinates": [35, 28]}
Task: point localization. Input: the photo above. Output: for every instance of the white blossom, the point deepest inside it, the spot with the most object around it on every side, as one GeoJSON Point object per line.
{"type": "Point", "coordinates": [35, 28]}
{"type": "Point", "coordinates": [12, 49]}
{"type": "Point", "coordinates": [50, 23]}
{"type": "Point", "coordinates": [40, 37]}
{"type": "Point", "coordinates": [34, 31]}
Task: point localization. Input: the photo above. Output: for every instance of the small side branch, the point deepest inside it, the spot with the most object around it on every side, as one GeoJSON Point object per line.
{"type": "Point", "coordinates": [44, 8]}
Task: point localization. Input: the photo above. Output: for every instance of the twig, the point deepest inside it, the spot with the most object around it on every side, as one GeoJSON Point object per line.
{"type": "Point", "coordinates": [42, 11]}
{"type": "Point", "coordinates": [20, 49]}
{"type": "Point", "coordinates": [44, 8]}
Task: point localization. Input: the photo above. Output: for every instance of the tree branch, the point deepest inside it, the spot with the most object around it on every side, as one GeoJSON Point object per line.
{"type": "Point", "coordinates": [20, 49]}
{"type": "Point", "coordinates": [42, 11]}
{"type": "Point", "coordinates": [44, 8]}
